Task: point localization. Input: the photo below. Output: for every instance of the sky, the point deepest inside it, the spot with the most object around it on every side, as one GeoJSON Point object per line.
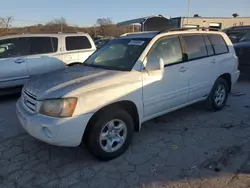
{"type": "Point", "coordinates": [86, 12]}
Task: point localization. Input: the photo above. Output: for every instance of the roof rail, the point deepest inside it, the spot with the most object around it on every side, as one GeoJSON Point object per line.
{"type": "Point", "coordinates": [135, 33]}
{"type": "Point", "coordinates": [189, 28]}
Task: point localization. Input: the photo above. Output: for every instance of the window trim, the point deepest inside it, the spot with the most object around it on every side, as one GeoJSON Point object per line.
{"type": "Point", "coordinates": [185, 52]}
{"type": "Point", "coordinates": [207, 46]}
{"type": "Point", "coordinates": [65, 41]}
{"type": "Point", "coordinates": [165, 37]}
{"type": "Point", "coordinates": [213, 45]}
{"type": "Point", "coordinates": [52, 43]}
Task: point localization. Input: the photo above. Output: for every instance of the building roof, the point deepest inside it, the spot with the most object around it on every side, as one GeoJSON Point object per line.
{"type": "Point", "coordinates": [209, 17]}
{"type": "Point", "coordinates": [139, 20]}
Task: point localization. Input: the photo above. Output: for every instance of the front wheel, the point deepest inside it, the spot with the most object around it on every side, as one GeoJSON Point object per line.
{"type": "Point", "coordinates": [110, 134]}
{"type": "Point", "coordinates": [218, 95]}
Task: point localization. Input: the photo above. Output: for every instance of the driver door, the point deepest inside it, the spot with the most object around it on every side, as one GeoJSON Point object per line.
{"type": "Point", "coordinates": [165, 89]}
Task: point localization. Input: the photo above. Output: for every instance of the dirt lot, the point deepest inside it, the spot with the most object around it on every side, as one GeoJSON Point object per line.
{"type": "Point", "coordinates": [189, 148]}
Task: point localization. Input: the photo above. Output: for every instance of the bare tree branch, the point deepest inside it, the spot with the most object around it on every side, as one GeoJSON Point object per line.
{"type": "Point", "coordinates": [5, 23]}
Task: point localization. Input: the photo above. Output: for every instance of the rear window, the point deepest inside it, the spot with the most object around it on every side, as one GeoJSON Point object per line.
{"type": "Point", "coordinates": [220, 47]}
{"type": "Point", "coordinates": [77, 43]}
{"type": "Point", "coordinates": [195, 46]}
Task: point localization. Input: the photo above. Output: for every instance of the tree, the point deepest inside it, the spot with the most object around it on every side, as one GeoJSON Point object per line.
{"type": "Point", "coordinates": [5, 24]}
{"type": "Point", "coordinates": [197, 15]}
{"type": "Point", "coordinates": [235, 15]}
{"type": "Point", "coordinates": [105, 25]}
{"type": "Point", "coordinates": [57, 24]}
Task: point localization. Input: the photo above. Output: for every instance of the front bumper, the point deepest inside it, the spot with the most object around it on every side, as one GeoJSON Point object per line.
{"type": "Point", "coordinates": [56, 131]}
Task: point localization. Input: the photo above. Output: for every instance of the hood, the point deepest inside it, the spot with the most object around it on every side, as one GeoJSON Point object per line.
{"type": "Point", "coordinates": [57, 84]}
{"type": "Point", "coordinates": [242, 44]}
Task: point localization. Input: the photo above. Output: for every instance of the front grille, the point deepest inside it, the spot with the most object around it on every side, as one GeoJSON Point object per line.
{"type": "Point", "coordinates": [29, 101]}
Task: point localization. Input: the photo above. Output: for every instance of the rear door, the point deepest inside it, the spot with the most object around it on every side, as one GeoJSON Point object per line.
{"type": "Point", "coordinates": [13, 69]}
{"type": "Point", "coordinates": [42, 57]}
{"type": "Point", "coordinates": [226, 61]}
{"type": "Point", "coordinates": [78, 49]}
{"type": "Point", "coordinates": [201, 65]}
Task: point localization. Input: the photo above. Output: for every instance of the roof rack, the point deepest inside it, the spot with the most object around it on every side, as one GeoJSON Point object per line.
{"type": "Point", "coordinates": [189, 28]}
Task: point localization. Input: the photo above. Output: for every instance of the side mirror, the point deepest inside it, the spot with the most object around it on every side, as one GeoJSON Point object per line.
{"type": "Point", "coordinates": [154, 63]}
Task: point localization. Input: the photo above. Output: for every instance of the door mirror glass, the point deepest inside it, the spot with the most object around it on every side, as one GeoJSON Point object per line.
{"type": "Point", "coordinates": [154, 63]}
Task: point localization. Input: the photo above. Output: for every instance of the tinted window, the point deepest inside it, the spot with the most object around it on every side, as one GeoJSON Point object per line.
{"type": "Point", "coordinates": [169, 49]}
{"type": "Point", "coordinates": [77, 43]}
{"type": "Point", "coordinates": [209, 46]}
{"type": "Point", "coordinates": [246, 37]}
{"type": "Point", "coordinates": [195, 46]}
{"type": "Point", "coordinates": [218, 43]}
{"type": "Point", "coordinates": [40, 45]}
{"type": "Point", "coordinates": [14, 47]}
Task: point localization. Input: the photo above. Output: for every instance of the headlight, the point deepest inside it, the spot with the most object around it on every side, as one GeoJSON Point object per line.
{"type": "Point", "coordinates": [58, 107]}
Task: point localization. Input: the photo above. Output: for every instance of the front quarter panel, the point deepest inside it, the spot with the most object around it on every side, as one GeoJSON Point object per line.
{"type": "Point", "coordinates": [95, 99]}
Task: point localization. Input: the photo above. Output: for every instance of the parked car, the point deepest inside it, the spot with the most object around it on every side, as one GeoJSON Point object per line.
{"type": "Point", "coordinates": [242, 49]}
{"type": "Point", "coordinates": [130, 80]}
{"type": "Point", "coordinates": [25, 56]}
{"type": "Point", "coordinates": [237, 32]}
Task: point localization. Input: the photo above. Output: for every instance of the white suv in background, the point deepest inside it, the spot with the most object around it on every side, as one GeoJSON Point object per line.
{"type": "Point", "coordinates": [130, 80]}
{"type": "Point", "coordinates": [24, 56]}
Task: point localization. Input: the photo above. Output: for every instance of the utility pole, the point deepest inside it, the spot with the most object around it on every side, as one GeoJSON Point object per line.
{"type": "Point", "coordinates": [188, 10]}
{"type": "Point", "coordinates": [95, 29]}
{"type": "Point", "coordinates": [61, 27]}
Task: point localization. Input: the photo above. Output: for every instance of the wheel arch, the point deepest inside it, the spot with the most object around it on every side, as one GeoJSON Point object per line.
{"type": "Point", "coordinates": [126, 105]}
{"type": "Point", "coordinates": [227, 77]}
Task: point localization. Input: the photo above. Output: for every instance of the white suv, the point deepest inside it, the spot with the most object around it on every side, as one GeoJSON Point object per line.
{"type": "Point", "coordinates": [132, 79]}
{"type": "Point", "coordinates": [28, 55]}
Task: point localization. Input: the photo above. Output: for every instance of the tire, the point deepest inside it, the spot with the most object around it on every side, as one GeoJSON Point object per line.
{"type": "Point", "coordinates": [212, 101]}
{"type": "Point", "coordinates": [93, 141]}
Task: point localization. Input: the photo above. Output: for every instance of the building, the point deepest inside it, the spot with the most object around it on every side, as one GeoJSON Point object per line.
{"type": "Point", "coordinates": [149, 23]}
{"type": "Point", "coordinates": [156, 23]}
{"type": "Point", "coordinates": [213, 22]}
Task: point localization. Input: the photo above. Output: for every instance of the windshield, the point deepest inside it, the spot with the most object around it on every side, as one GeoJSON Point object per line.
{"type": "Point", "coordinates": [118, 54]}
{"type": "Point", "coordinates": [246, 37]}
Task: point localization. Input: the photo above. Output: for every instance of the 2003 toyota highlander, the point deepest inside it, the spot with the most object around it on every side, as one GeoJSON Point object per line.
{"type": "Point", "coordinates": [130, 80]}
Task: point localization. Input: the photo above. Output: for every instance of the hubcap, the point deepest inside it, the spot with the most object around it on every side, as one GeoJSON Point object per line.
{"type": "Point", "coordinates": [220, 95]}
{"type": "Point", "coordinates": [113, 135]}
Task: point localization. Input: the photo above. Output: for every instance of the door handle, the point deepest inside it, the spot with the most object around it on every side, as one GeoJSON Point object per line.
{"type": "Point", "coordinates": [19, 61]}
{"type": "Point", "coordinates": [182, 69]}
{"type": "Point", "coordinates": [213, 61]}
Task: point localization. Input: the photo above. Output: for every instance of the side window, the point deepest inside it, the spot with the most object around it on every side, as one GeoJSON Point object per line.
{"type": "Point", "coordinates": [40, 45]}
{"type": "Point", "coordinates": [13, 47]}
{"type": "Point", "coordinates": [209, 46]}
{"type": "Point", "coordinates": [77, 43]}
{"type": "Point", "coordinates": [195, 46]}
{"type": "Point", "coordinates": [218, 43]}
{"type": "Point", "coordinates": [169, 49]}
